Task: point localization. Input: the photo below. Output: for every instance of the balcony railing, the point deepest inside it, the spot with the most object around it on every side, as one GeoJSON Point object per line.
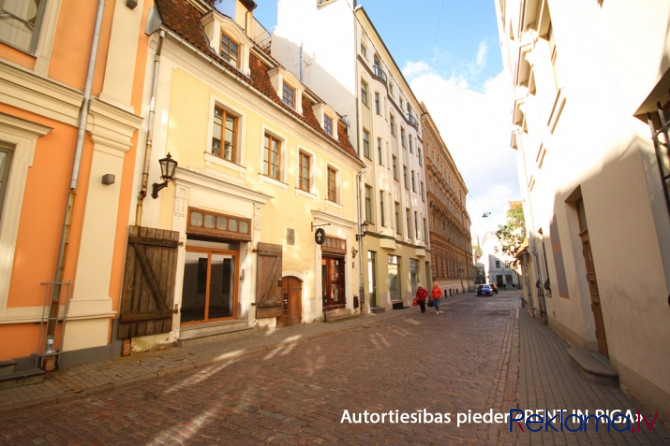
{"type": "Point", "coordinates": [379, 74]}
{"type": "Point", "coordinates": [412, 120]}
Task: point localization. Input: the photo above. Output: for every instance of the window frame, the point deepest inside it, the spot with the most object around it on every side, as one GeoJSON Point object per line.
{"type": "Point", "coordinates": [226, 55]}
{"type": "Point", "coordinates": [368, 199]}
{"type": "Point", "coordinates": [365, 136]}
{"type": "Point", "coordinates": [35, 34]}
{"type": "Point", "coordinates": [305, 182]}
{"type": "Point", "coordinates": [266, 163]}
{"type": "Point", "coordinates": [332, 184]}
{"type": "Point", "coordinates": [291, 99]}
{"type": "Point", "coordinates": [236, 134]}
{"type": "Point", "coordinates": [365, 99]}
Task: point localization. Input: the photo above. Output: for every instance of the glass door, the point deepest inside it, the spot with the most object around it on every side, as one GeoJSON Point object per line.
{"type": "Point", "coordinates": [209, 290]}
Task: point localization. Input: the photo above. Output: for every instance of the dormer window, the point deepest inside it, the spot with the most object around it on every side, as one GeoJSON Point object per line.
{"type": "Point", "coordinates": [230, 50]}
{"type": "Point", "coordinates": [326, 115]}
{"type": "Point", "coordinates": [228, 40]}
{"type": "Point", "coordinates": [288, 88]}
{"type": "Point", "coordinates": [288, 95]}
{"type": "Point", "coordinates": [328, 124]}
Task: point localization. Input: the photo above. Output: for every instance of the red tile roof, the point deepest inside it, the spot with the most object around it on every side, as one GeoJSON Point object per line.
{"type": "Point", "coordinates": [183, 19]}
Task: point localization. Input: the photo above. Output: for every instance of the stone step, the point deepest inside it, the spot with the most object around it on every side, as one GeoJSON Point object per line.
{"type": "Point", "coordinates": [21, 376]}
{"type": "Point", "coordinates": [7, 367]}
{"type": "Point", "coordinates": [212, 333]}
{"type": "Point", "coordinates": [594, 366]}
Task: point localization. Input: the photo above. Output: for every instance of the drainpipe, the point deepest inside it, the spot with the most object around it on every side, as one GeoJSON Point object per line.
{"type": "Point", "coordinates": [150, 126]}
{"type": "Point", "coordinates": [52, 322]}
{"type": "Point", "coordinates": [361, 282]}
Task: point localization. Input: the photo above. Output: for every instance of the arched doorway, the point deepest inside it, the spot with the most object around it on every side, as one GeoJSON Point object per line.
{"type": "Point", "coordinates": [291, 313]}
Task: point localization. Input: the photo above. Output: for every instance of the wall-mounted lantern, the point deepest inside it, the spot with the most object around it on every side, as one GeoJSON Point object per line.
{"type": "Point", "coordinates": [364, 230]}
{"type": "Point", "coordinates": [168, 166]}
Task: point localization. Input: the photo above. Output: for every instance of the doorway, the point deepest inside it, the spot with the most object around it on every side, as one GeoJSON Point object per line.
{"type": "Point", "coordinates": [596, 307]}
{"type": "Point", "coordinates": [291, 312]}
{"type": "Point", "coordinates": [210, 289]}
{"type": "Point", "coordinates": [332, 279]}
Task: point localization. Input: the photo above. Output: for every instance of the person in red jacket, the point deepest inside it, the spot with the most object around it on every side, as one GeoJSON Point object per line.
{"type": "Point", "coordinates": [421, 294]}
{"type": "Point", "coordinates": [435, 295]}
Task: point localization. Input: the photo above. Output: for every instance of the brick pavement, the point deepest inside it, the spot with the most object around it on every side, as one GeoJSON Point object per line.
{"type": "Point", "coordinates": [548, 380]}
{"type": "Point", "coordinates": [292, 386]}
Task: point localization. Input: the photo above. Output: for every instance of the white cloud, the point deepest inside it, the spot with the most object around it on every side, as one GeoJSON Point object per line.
{"type": "Point", "coordinates": [476, 127]}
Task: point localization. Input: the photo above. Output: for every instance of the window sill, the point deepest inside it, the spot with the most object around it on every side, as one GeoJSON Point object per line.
{"type": "Point", "coordinates": [300, 192]}
{"type": "Point", "coordinates": [213, 159]}
{"type": "Point", "coordinates": [262, 178]}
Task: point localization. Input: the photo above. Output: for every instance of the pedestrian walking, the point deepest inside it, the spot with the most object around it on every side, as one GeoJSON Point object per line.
{"type": "Point", "coordinates": [435, 295]}
{"type": "Point", "coordinates": [421, 294]}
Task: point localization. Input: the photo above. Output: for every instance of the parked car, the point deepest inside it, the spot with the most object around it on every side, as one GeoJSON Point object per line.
{"type": "Point", "coordinates": [484, 290]}
{"type": "Point", "coordinates": [494, 287]}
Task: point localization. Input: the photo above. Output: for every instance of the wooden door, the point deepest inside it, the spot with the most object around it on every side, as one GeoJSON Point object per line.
{"type": "Point", "coordinates": [595, 295]}
{"type": "Point", "coordinates": [291, 302]}
{"type": "Point", "coordinates": [148, 283]}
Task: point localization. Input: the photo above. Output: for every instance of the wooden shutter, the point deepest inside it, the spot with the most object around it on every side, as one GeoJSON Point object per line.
{"type": "Point", "coordinates": [148, 283]}
{"type": "Point", "coordinates": [268, 281]}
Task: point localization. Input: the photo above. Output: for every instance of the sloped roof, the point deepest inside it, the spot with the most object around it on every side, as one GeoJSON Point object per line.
{"type": "Point", "coordinates": [184, 19]}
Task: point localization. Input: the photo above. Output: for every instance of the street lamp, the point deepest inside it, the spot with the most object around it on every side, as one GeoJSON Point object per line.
{"type": "Point", "coordinates": [168, 167]}
{"type": "Point", "coordinates": [364, 230]}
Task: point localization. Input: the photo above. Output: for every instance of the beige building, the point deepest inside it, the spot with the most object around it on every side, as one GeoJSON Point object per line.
{"type": "Point", "coordinates": [449, 221]}
{"type": "Point", "coordinates": [586, 73]}
{"type": "Point", "coordinates": [256, 227]}
{"type": "Point", "coordinates": [335, 49]}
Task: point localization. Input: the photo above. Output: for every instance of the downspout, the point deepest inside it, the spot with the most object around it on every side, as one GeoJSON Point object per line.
{"type": "Point", "coordinates": [150, 126]}
{"type": "Point", "coordinates": [359, 236]}
{"type": "Point", "coordinates": [52, 322]}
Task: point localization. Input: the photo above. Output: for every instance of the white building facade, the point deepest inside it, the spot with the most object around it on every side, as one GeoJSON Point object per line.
{"type": "Point", "coordinates": [333, 47]}
{"type": "Point", "coordinates": [585, 75]}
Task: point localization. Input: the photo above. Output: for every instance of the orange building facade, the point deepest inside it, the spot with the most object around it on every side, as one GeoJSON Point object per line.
{"type": "Point", "coordinates": [72, 77]}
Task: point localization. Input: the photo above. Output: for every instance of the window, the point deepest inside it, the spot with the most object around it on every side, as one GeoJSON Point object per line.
{"type": "Point", "coordinates": [305, 172]}
{"type": "Point", "coordinates": [378, 105]}
{"type": "Point", "coordinates": [413, 182]}
{"type": "Point", "coordinates": [379, 152]}
{"type": "Point", "coordinates": [405, 177]}
{"type": "Point", "coordinates": [382, 213]}
{"type": "Point", "coordinates": [368, 203]}
{"type": "Point", "coordinates": [288, 95]}
{"type": "Point", "coordinates": [366, 144]}
{"type": "Point", "coordinates": [328, 125]}
{"type": "Point", "coordinates": [272, 157]}
{"type": "Point", "coordinates": [392, 124]}
{"type": "Point", "coordinates": [395, 168]}
{"type": "Point", "coordinates": [416, 225]}
{"type": "Point", "coordinates": [224, 137]}
{"type": "Point", "coordinates": [408, 215]}
{"type": "Point", "coordinates": [364, 92]}
{"type": "Point", "coordinates": [5, 162]}
{"type": "Point", "coordinates": [418, 152]}
{"type": "Point", "coordinates": [230, 50]}
{"type": "Point", "coordinates": [364, 51]}
{"type": "Point", "coordinates": [332, 184]}
{"type": "Point", "coordinates": [411, 144]}
{"type": "Point", "coordinates": [20, 22]}
{"type": "Point", "coordinates": [403, 137]}
{"type": "Point", "coordinates": [398, 224]}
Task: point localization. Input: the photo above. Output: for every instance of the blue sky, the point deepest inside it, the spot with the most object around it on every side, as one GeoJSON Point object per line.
{"type": "Point", "coordinates": [449, 52]}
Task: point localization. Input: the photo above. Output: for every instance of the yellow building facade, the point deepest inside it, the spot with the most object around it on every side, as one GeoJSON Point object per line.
{"type": "Point", "coordinates": [260, 209]}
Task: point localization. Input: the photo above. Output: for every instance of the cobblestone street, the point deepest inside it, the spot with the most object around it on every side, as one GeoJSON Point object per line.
{"type": "Point", "coordinates": [438, 369]}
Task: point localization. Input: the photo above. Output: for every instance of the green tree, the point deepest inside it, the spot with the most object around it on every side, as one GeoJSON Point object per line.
{"type": "Point", "coordinates": [513, 232]}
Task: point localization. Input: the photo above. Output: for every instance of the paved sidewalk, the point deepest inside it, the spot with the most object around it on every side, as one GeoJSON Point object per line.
{"type": "Point", "coordinates": [89, 379]}
{"type": "Point", "coordinates": [548, 380]}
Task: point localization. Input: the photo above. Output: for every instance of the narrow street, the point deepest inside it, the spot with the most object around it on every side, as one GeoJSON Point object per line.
{"type": "Point", "coordinates": [408, 379]}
